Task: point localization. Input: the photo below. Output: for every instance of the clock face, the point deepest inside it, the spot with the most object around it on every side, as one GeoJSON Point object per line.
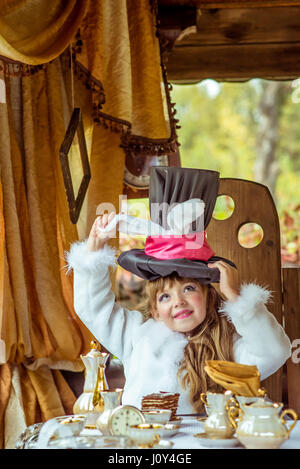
{"type": "Point", "coordinates": [137, 169]}
{"type": "Point", "coordinates": [123, 417]}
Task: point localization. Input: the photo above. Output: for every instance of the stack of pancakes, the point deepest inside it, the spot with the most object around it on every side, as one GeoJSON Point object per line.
{"type": "Point", "coordinates": [161, 400]}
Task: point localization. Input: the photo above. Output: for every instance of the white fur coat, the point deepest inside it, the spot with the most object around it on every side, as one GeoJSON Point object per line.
{"type": "Point", "coordinates": [149, 351]}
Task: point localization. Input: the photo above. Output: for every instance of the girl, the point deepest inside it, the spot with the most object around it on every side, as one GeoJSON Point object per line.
{"type": "Point", "coordinates": [186, 322]}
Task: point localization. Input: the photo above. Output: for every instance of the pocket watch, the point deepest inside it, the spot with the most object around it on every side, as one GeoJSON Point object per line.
{"type": "Point", "coordinates": [122, 417]}
{"type": "Point", "coordinates": [137, 169]}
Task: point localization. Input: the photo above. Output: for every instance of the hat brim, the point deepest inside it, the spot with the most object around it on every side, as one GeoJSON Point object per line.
{"type": "Point", "coordinates": [151, 268]}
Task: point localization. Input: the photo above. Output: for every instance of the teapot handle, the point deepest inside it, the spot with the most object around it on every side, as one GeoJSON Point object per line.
{"type": "Point", "coordinates": [294, 416]}
{"type": "Point", "coordinates": [234, 411]}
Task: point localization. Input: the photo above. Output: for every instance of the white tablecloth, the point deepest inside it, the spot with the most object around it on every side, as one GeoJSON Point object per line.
{"type": "Point", "coordinates": [190, 426]}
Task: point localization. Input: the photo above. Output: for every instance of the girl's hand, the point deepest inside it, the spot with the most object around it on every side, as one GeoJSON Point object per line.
{"type": "Point", "coordinates": [97, 239]}
{"type": "Point", "coordinates": [229, 286]}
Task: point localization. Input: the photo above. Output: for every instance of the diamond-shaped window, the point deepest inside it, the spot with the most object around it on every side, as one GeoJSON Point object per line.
{"type": "Point", "coordinates": [75, 128]}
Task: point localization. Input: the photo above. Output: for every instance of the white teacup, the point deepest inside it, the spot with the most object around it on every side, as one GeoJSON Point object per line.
{"type": "Point", "coordinates": [213, 399]}
{"type": "Point", "coordinates": [157, 415]}
{"type": "Point", "coordinates": [74, 422]}
{"type": "Point", "coordinates": [145, 434]}
{"type": "Point", "coordinates": [60, 427]}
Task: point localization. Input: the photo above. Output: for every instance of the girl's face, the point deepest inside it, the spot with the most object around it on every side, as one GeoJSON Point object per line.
{"type": "Point", "coordinates": [182, 306]}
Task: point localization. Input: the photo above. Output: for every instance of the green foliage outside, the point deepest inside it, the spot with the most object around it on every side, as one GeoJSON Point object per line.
{"type": "Point", "coordinates": [219, 125]}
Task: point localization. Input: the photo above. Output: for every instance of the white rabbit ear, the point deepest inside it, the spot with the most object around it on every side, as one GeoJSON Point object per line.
{"type": "Point", "coordinates": [180, 219]}
{"type": "Point", "coordinates": [181, 216]}
{"type": "Point", "coordinates": [130, 225]}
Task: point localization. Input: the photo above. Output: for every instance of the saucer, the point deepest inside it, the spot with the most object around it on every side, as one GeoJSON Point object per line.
{"type": "Point", "coordinates": [170, 429]}
{"type": "Point", "coordinates": [201, 419]}
{"type": "Point", "coordinates": [205, 440]}
{"type": "Point", "coordinates": [164, 444]}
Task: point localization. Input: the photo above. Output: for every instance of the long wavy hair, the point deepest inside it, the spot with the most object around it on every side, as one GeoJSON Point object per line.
{"type": "Point", "coordinates": [210, 340]}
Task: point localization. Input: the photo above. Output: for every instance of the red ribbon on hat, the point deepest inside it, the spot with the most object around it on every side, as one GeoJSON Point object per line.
{"type": "Point", "coordinates": [190, 246]}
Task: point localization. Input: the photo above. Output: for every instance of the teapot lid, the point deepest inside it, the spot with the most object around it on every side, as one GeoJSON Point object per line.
{"type": "Point", "coordinates": [264, 404]}
{"type": "Point", "coordinates": [95, 350]}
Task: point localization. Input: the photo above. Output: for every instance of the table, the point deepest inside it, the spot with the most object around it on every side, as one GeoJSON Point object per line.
{"type": "Point", "coordinates": [190, 426]}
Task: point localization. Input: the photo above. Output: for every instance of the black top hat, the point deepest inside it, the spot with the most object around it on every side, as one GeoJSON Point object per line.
{"type": "Point", "coordinates": [168, 187]}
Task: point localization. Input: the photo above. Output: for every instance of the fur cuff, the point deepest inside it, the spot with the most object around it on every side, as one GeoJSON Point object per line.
{"type": "Point", "coordinates": [251, 295]}
{"type": "Point", "coordinates": [93, 261]}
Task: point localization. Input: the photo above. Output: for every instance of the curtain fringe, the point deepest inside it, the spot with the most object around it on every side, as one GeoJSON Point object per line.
{"type": "Point", "coordinates": [131, 143]}
{"type": "Point", "coordinates": [17, 69]}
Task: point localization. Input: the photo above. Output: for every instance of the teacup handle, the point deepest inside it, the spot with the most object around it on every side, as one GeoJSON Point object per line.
{"type": "Point", "coordinates": [233, 401]}
{"type": "Point", "coordinates": [293, 415]}
{"type": "Point", "coordinates": [203, 398]}
{"type": "Point", "coordinates": [233, 413]}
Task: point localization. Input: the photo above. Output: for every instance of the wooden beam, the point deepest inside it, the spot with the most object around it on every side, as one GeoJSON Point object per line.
{"type": "Point", "coordinates": [176, 3]}
{"type": "Point", "coordinates": [188, 64]}
{"type": "Point", "coordinates": [208, 4]}
{"type": "Point", "coordinates": [245, 26]}
{"type": "Point", "coordinates": [173, 22]}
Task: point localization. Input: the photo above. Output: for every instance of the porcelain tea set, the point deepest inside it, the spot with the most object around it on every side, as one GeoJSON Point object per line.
{"type": "Point", "coordinates": [255, 422]}
{"type": "Point", "coordinates": [121, 426]}
{"type": "Point", "coordinates": [100, 408]}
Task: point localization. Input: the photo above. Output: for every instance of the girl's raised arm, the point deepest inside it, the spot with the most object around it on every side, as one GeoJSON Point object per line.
{"type": "Point", "coordinates": [94, 301]}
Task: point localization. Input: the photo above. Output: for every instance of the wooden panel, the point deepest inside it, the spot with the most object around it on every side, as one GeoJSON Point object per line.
{"type": "Point", "coordinates": [191, 64]}
{"type": "Point", "coordinates": [262, 264]}
{"type": "Point", "coordinates": [291, 297]}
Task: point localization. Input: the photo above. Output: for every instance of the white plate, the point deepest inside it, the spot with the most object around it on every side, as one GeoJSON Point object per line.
{"type": "Point", "coordinates": [204, 440]}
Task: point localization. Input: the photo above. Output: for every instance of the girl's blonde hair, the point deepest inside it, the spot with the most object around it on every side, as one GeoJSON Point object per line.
{"type": "Point", "coordinates": [211, 340]}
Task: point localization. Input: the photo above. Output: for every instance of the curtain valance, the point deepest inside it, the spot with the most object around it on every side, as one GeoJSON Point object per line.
{"type": "Point", "coordinates": [35, 32]}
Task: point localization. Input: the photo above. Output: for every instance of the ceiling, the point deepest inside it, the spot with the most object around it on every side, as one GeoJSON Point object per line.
{"type": "Point", "coordinates": [230, 40]}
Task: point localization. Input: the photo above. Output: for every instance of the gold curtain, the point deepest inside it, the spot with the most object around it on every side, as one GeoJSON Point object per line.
{"type": "Point", "coordinates": [40, 333]}
{"type": "Point", "coordinates": [35, 32]}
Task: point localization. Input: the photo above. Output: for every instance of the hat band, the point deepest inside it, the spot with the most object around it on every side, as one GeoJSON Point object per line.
{"type": "Point", "coordinates": [190, 246]}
